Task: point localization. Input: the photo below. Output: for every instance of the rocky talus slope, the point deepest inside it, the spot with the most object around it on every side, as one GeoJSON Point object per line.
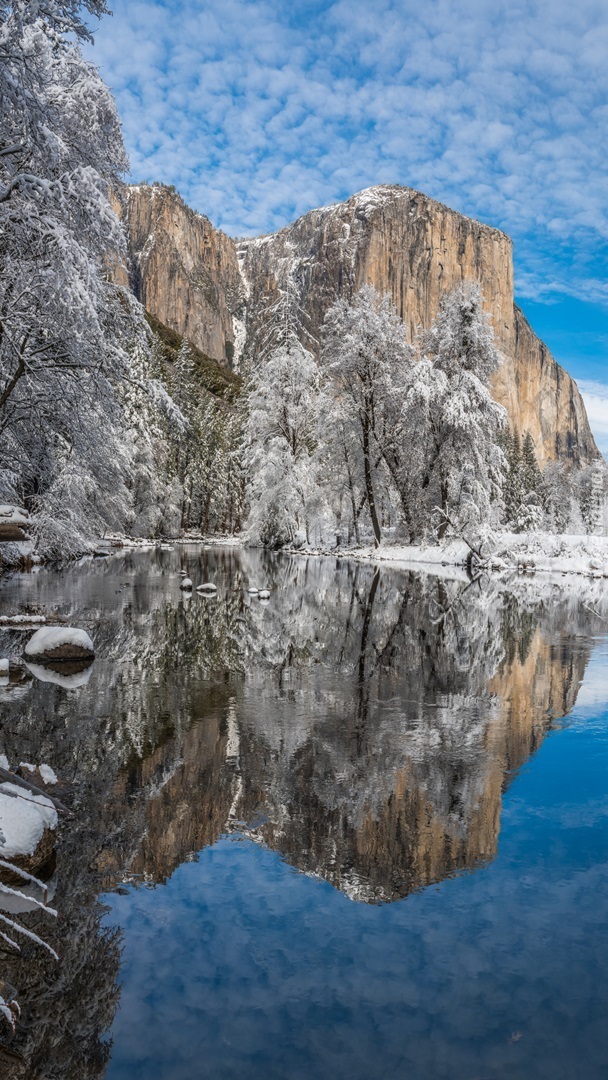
{"type": "Point", "coordinates": [216, 291]}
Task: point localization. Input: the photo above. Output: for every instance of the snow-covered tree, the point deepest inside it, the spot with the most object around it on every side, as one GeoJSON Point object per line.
{"type": "Point", "coordinates": [367, 359]}
{"type": "Point", "coordinates": [280, 440]}
{"type": "Point", "coordinates": [463, 421]}
{"type": "Point", "coordinates": [593, 488]}
{"type": "Point", "coordinates": [556, 495]}
{"type": "Point", "coordinates": [63, 328]}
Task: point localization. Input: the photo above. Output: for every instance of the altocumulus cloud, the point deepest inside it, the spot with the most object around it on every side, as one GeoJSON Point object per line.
{"type": "Point", "coordinates": [258, 111]}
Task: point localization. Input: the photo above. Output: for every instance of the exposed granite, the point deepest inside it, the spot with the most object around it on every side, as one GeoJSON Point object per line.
{"type": "Point", "coordinates": [215, 291]}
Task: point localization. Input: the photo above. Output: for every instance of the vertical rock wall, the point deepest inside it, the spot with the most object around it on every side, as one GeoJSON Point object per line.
{"type": "Point", "coordinates": [215, 292]}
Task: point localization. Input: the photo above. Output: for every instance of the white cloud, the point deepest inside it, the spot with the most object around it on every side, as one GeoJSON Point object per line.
{"type": "Point", "coordinates": [256, 111]}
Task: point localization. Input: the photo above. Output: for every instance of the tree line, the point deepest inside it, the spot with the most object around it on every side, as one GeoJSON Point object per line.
{"type": "Point", "coordinates": [383, 438]}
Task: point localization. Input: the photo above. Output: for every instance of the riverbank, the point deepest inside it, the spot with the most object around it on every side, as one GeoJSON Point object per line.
{"type": "Point", "coordinates": [533, 552]}
{"type": "Point", "coordinates": [530, 553]}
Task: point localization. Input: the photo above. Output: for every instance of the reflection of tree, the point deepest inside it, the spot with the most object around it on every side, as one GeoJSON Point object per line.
{"type": "Point", "coordinates": [67, 1006]}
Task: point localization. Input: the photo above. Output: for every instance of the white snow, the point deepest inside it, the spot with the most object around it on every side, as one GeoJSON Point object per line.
{"type": "Point", "coordinates": [13, 515]}
{"type": "Point", "coordinates": [53, 637]}
{"type": "Point", "coordinates": [48, 775]}
{"type": "Point", "coordinates": [4, 666]}
{"type": "Point", "coordinates": [23, 819]}
{"type": "Point", "coordinates": [207, 586]}
{"type": "Point", "coordinates": [537, 552]}
{"type": "Point", "coordinates": [186, 583]}
{"type": "Point", "coordinates": [264, 594]}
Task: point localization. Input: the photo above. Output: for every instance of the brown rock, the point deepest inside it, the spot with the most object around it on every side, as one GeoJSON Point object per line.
{"type": "Point", "coordinates": [183, 270]}
{"type": "Point", "coordinates": [187, 274]}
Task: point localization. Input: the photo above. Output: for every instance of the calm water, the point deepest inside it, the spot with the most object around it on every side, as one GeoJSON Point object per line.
{"type": "Point", "coordinates": [360, 831]}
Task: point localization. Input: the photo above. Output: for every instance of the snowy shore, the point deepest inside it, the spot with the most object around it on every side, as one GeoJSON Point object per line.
{"type": "Point", "coordinates": [532, 552]}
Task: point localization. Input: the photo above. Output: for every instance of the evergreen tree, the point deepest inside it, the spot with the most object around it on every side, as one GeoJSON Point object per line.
{"type": "Point", "coordinates": [593, 488]}
{"type": "Point", "coordinates": [531, 476]}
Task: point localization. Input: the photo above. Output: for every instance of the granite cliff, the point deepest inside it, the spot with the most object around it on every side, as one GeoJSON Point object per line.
{"type": "Point", "coordinates": [215, 290]}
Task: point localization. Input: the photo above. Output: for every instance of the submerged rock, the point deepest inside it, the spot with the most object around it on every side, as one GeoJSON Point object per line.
{"type": "Point", "coordinates": [60, 643]}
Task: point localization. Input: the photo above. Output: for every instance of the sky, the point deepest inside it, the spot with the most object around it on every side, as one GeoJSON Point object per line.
{"type": "Point", "coordinates": [259, 110]}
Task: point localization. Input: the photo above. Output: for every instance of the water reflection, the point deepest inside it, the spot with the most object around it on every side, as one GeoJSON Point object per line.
{"type": "Point", "coordinates": [363, 724]}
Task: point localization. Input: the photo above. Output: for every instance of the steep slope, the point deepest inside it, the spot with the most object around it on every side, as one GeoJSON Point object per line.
{"type": "Point", "coordinates": [183, 271]}
{"type": "Point", "coordinates": [215, 292]}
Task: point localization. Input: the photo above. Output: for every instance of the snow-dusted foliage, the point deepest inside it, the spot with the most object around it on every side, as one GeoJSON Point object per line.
{"type": "Point", "coordinates": [280, 442]}
{"type": "Point", "coordinates": [398, 436]}
{"type": "Point", "coordinates": [61, 321]}
{"type": "Point", "coordinates": [368, 360]}
{"type": "Point", "coordinates": [593, 497]}
{"type": "Point", "coordinates": [463, 464]}
{"type": "Point", "coordinates": [88, 426]}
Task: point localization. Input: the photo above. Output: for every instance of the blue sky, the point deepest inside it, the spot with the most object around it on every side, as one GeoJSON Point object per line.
{"type": "Point", "coordinates": [259, 110]}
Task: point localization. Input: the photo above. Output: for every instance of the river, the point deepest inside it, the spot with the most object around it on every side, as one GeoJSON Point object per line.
{"type": "Point", "coordinates": [359, 830]}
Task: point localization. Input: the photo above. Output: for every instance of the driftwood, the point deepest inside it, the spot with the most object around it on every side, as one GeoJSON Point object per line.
{"type": "Point", "coordinates": [11, 778]}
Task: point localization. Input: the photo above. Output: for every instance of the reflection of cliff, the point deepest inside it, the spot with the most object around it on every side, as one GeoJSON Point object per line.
{"type": "Point", "coordinates": [368, 737]}
{"type": "Point", "coordinates": [446, 776]}
{"type": "Point", "coordinates": [174, 802]}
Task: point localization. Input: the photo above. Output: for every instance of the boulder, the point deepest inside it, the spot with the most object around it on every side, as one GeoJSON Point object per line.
{"type": "Point", "coordinates": [13, 523]}
{"type": "Point", "coordinates": [59, 643]}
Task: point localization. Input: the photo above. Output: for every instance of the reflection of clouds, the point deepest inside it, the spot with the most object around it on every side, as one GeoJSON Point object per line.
{"type": "Point", "coordinates": [593, 692]}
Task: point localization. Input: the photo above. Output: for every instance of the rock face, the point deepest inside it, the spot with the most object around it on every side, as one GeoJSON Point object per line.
{"type": "Point", "coordinates": [187, 274]}
{"type": "Point", "coordinates": [183, 270]}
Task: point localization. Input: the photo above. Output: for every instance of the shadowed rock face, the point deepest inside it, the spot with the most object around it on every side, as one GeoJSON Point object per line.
{"type": "Point", "coordinates": [187, 274]}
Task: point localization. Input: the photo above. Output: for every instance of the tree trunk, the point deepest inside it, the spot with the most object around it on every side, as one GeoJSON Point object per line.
{"type": "Point", "coordinates": [444, 506]}
{"type": "Point", "coordinates": [369, 488]}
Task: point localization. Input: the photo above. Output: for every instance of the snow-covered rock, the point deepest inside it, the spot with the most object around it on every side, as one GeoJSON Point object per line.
{"type": "Point", "coordinates": [264, 594]}
{"type": "Point", "coordinates": [186, 584]}
{"type": "Point", "coordinates": [24, 817]}
{"type": "Point", "coordinates": [60, 643]}
{"type": "Point", "coordinates": [253, 591]}
{"type": "Point", "coordinates": [4, 665]}
{"type": "Point", "coordinates": [206, 587]}
{"type": "Point", "coordinates": [13, 522]}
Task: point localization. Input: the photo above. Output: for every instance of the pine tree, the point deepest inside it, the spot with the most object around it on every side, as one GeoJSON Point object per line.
{"type": "Point", "coordinates": [531, 475]}
{"type": "Point", "coordinates": [593, 487]}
